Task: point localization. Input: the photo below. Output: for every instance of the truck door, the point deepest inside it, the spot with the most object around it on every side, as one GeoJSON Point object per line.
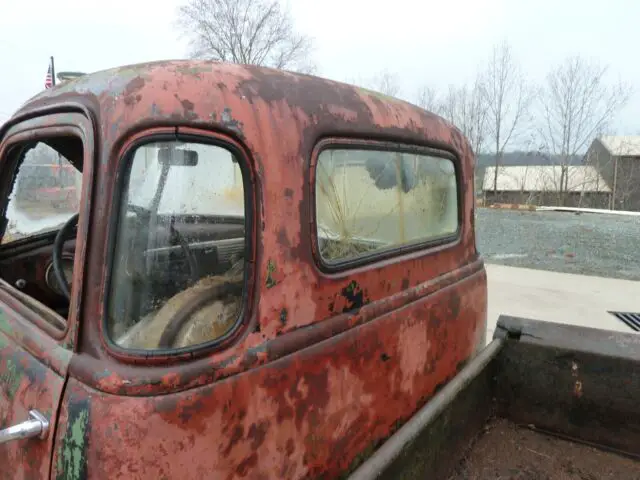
{"type": "Point", "coordinates": [38, 322]}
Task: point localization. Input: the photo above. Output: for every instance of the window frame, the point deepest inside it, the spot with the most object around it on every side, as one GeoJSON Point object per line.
{"type": "Point", "coordinates": [386, 253]}
{"type": "Point", "coordinates": [124, 163]}
{"type": "Point", "coordinates": [39, 128]}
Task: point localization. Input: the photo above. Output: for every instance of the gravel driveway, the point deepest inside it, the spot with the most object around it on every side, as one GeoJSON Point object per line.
{"type": "Point", "coordinates": [586, 243]}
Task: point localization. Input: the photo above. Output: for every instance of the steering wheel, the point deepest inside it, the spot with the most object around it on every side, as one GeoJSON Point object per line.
{"type": "Point", "coordinates": [66, 232]}
{"type": "Point", "coordinates": [63, 233]}
{"type": "Point", "coordinates": [177, 237]}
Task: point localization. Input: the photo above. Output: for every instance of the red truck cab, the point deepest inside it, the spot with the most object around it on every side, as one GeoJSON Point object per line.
{"type": "Point", "coordinates": [267, 275]}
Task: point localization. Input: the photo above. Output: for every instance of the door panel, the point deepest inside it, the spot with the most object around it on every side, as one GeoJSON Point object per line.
{"type": "Point", "coordinates": [36, 344]}
{"type": "Point", "coordinates": [311, 414]}
{"type": "Point", "coordinates": [27, 384]}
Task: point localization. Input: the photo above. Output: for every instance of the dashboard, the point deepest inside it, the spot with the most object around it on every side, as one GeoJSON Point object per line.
{"type": "Point", "coordinates": [50, 276]}
{"type": "Point", "coordinates": [28, 267]}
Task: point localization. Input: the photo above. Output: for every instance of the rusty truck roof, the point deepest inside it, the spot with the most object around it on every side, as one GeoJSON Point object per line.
{"type": "Point", "coordinates": [238, 98]}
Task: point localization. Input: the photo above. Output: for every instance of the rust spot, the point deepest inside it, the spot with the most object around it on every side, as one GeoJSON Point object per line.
{"type": "Point", "coordinates": [236, 435]}
{"type": "Point", "coordinates": [246, 464]}
{"type": "Point", "coordinates": [288, 192]}
{"type": "Point", "coordinates": [134, 85]}
{"type": "Point", "coordinates": [229, 122]}
{"type": "Point", "coordinates": [187, 105]}
{"type": "Point", "coordinates": [283, 240]}
{"type": "Point", "coordinates": [132, 100]}
{"type": "Point", "coordinates": [290, 446]}
{"type": "Point", "coordinates": [257, 433]}
{"type": "Point", "coordinates": [187, 108]}
{"type": "Point", "coordinates": [577, 389]}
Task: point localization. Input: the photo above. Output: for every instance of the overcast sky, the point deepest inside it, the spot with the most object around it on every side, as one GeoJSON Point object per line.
{"type": "Point", "coordinates": [432, 42]}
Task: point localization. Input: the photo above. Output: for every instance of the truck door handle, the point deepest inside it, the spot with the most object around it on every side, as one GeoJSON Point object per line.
{"type": "Point", "coordinates": [36, 426]}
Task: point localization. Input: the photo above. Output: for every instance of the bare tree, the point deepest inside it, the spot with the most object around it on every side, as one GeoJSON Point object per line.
{"type": "Point", "coordinates": [385, 82]}
{"type": "Point", "coordinates": [576, 104]}
{"type": "Point", "coordinates": [507, 98]}
{"type": "Point", "coordinates": [257, 32]}
{"type": "Point", "coordinates": [427, 98]}
{"type": "Point", "coordinates": [463, 106]}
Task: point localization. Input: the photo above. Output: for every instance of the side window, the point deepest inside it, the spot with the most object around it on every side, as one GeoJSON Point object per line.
{"type": "Point", "coordinates": [178, 264]}
{"type": "Point", "coordinates": [44, 194]}
{"type": "Point", "coordinates": [368, 201]}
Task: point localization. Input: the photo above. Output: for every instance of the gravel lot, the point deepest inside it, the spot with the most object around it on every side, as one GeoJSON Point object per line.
{"type": "Point", "coordinates": [586, 243]}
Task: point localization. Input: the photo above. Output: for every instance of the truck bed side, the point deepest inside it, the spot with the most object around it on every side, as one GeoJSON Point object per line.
{"type": "Point", "coordinates": [575, 383]}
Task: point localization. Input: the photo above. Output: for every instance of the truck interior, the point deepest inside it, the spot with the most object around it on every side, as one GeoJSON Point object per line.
{"type": "Point", "coordinates": [30, 258]}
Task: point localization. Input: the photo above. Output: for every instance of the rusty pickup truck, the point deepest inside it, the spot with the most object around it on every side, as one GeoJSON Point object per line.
{"type": "Point", "coordinates": [272, 275]}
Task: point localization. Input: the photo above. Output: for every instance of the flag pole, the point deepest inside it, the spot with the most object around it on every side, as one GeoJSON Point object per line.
{"type": "Point", "coordinates": [53, 72]}
{"type": "Point", "coordinates": [53, 83]}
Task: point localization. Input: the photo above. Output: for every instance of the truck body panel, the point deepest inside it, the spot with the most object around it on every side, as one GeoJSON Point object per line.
{"type": "Point", "coordinates": [281, 394]}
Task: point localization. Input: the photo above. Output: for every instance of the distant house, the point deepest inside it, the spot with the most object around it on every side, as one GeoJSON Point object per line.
{"type": "Point", "coordinates": [617, 158]}
{"type": "Point", "coordinates": [541, 185]}
{"type": "Point", "coordinates": [513, 159]}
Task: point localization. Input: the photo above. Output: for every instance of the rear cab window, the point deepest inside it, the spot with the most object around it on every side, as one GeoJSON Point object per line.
{"type": "Point", "coordinates": [178, 263]}
{"type": "Point", "coordinates": [370, 202]}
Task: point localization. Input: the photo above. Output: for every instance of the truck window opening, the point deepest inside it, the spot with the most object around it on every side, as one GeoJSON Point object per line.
{"type": "Point", "coordinates": [369, 201]}
{"type": "Point", "coordinates": [178, 266]}
{"type": "Point", "coordinates": [44, 192]}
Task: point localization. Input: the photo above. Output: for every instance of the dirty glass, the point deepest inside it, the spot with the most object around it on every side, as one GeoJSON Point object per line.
{"type": "Point", "coordinates": [178, 264]}
{"type": "Point", "coordinates": [370, 200]}
{"type": "Point", "coordinates": [44, 195]}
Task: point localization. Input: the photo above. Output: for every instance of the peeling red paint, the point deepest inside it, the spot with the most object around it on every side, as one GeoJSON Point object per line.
{"type": "Point", "coordinates": [323, 365]}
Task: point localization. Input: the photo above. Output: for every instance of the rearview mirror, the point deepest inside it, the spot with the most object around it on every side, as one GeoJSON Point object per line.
{"type": "Point", "coordinates": [177, 157]}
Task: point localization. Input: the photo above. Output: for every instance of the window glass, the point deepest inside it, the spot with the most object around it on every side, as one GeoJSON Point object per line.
{"type": "Point", "coordinates": [369, 200]}
{"type": "Point", "coordinates": [178, 271]}
{"type": "Point", "coordinates": [45, 193]}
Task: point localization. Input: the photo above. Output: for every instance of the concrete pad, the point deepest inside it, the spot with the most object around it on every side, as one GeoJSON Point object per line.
{"type": "Point", "coordinates": [559, 297]}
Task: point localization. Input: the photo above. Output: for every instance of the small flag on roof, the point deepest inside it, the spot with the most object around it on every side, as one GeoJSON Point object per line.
{"type": "Point", "coordinates": [48, 81]}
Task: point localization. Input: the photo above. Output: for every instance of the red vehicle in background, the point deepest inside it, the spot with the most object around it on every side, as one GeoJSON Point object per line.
{"type": "Point", "coordinates": [52, 183]}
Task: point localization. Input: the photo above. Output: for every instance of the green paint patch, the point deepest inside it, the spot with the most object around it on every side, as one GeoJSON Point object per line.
{"type": "Point", "coordinates": [271, 268]}
{"type": "Point", "coordinates": [4, 324]}
{"type": "Point", "coordinates": [10, 378]}
{"type": "Point", "coordinates": [72, 454]}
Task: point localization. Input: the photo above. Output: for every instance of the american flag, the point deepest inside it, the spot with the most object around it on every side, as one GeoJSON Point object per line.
{"type": "Point", "coordinates": [48, 81]}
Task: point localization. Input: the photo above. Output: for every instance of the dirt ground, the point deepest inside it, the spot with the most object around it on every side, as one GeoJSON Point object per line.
{"type": "Point", "coordinates": [506, 451]}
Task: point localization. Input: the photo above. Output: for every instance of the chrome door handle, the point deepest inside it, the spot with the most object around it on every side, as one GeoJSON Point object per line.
{"type": "Point", "coordinates": [36, 426]}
